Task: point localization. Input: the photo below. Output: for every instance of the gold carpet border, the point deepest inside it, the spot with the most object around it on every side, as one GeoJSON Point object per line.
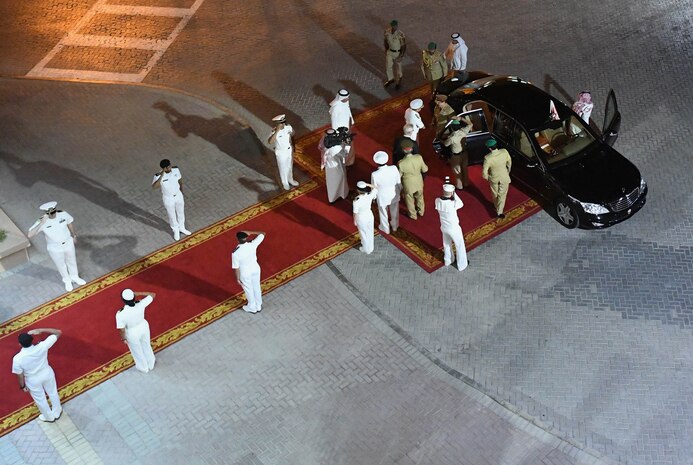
{"type": "Point", "coordinates": [156, 257]}
{"type": "Point", "coordinates": [173, 335]}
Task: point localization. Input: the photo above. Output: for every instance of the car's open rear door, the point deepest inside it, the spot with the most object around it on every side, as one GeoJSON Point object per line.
{"type": "Point", "coordinates": [612, 119]}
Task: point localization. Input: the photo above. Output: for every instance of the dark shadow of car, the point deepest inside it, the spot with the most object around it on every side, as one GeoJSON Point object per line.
{"type": "Point", "coordinates": [557, 158]}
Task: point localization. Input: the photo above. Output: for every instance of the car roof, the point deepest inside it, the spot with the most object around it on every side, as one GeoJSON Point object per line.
{"type": "Point", "coordinates": [520, 99]}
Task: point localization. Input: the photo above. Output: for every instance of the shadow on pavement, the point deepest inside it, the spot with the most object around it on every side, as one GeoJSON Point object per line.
{"type": "Point", "coordinates": [258, 103]}
{"type": "Point", "coordinates": [28, 173]}
{"type": "Point", "coordinates": [236, 141]}
{"type": "Point", "coordinates": [369, 99]}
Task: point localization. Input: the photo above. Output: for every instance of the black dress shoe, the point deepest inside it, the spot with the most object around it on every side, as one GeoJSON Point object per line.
{"type": "Point", "coordinates": [388, 83]}
{"type": "Point", "coordinates": [501, 215]}
{"type": "Point", "coordinates": [398, 85]}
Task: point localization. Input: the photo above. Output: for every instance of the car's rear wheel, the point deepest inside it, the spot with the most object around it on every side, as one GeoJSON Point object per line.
{"type": "Point", "coordinates": [567, 214]}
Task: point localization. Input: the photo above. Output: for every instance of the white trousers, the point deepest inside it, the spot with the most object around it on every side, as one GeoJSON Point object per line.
{"type": "Point", "coordinates": [285, 165]}
{"type": "Point", "coordinates": [250, 282]}
{"type": "Point", "coordinates": [41, 383]}
{"type": "Point", "coordinates": [454, 236]}
{"type": "Point", "coordinates": [139, 342]}
{"type": "Point", "coordinates": [63, 255]}
{"type": "Point", "coordinates": [393, 208]}
{"type": "Point", "coordinates": [414, 133]}
{"type": "Point", "coordinates": [175, 208]}
{"type": "Point", "coordinates": [365, 227]}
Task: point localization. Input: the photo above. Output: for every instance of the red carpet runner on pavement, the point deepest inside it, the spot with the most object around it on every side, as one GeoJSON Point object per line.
{"type": "Point", "coordinates": [193, 277]}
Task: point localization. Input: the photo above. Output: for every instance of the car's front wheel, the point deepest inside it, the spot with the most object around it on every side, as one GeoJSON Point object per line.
{"type": "Point", "coordinates": [566, 214]}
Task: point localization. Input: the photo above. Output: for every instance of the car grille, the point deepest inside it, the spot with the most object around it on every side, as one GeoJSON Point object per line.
{"type": "Point", "coordinates": [625, 202]}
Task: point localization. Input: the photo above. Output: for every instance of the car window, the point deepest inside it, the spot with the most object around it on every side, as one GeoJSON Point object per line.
{"type": "Point", "coordinates": [478, 121]}
{"type": "Point", "coordinates": [522, 143]}
{"type": "Point", "coordinates": [503, 126]}
{"type": "Point", "coordinates": [562, 141]}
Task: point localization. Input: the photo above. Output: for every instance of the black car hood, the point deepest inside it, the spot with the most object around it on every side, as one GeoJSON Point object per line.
{"type": "Point", "coordinates": [601, 176]}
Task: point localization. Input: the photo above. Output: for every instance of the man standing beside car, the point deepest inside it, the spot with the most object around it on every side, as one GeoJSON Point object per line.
{"type": "Point", "coordinates": [496, 171]}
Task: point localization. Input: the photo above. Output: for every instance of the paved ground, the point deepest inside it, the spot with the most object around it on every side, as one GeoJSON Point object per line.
{"type": "Point", "coordinates": [587, 333]}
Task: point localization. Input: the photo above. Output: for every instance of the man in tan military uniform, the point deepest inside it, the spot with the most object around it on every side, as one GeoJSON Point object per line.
{"type": "Point", "coordinates": [459, 158]}
{"type": "Point", "coordinates": [497, 164]}
{"type": "Point", "coordinates": [395, 45]}
{"type": "Point", "coordinates": [412, 167]}
{"type": "Point", "coordinates": [433, 65]}
{"type": "Point", "coordinates": [442, 113]}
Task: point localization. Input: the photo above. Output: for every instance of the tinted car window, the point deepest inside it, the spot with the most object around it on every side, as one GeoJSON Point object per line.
{"type": "Point", "coordinates": [564, 139]}
{"type": "Point", "coordinates": [522, 143]}
{"type": "Point", "coordinates": [503, 126]}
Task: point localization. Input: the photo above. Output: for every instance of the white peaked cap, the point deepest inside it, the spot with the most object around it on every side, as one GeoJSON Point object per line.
{"type": "Point", "coordinates": [416, 104]}
{"type": "Point", "coordinates": [448, 188]}
{"type": "Point", "coordinates": [127, 294]}
{"type": "Point", "coordinates": [380, 157]}
{"type": "Point", "coordinates": [361, 185]}
{"type": "Point", "coordinates": [279, 118]}
{"type": "Point", "coordinates": [48, 206]}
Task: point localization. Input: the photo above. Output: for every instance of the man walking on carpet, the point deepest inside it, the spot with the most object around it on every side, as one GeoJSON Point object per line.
{"type": "Point", "coordinates": [412, 168]}
{"type": "Point", "coordinates": [34, 373]}
{"type": "Point", "coordinates": [134, 329]}
{"type": "Point", "coordinates": [388, 183]}
{"type": "Point", "coordinates": [496, 170]}
{"type": "Point", "coordinates": [245, 265]}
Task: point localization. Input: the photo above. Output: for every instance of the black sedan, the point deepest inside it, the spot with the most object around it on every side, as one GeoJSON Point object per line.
{"type": "Point", "coordinates": [570, 167]}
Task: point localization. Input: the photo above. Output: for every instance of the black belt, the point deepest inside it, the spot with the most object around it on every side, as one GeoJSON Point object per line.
{"type": "Point", "coordinates": [394, 50]}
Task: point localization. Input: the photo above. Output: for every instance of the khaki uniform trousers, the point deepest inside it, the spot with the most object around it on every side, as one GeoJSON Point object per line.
{"type": "Point", "coordinates": [414, 200]}
{"type": "Point", "coordinates": [393, 66]}
{"type": "Point", "coordinates": [499, 190]}
{"type": "Point", "coordinates": [459, 163]}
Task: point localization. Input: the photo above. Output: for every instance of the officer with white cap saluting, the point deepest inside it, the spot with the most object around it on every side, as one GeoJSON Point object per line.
{"type": "Point", "coordinates": [447, 206]}
{"type": "Point", "coordinates": [134, 329]}
{"type": "Point", "coordinates": [281, 139]}
{"type": "Point", "coordinates": [60, 242]}
{"type": "Point", "coordinates": [412, 116]}
{"type": "Point", "coordinates": [363, 214]}
{"type": "Point", "coordinates": [170, 181]}
{"type": "Point", "coordinates": [388, 182]}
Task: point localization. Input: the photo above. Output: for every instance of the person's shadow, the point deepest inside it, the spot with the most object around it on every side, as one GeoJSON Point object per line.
{"type": "Point", "coordinates": [28, 173]}
{"type": "Point", "coordinates": [368, 98]}
{"type": "Point", "coordinates": [102, 247]}
{"type": "Point", "coordinates": [258, 103]}
{"type": "Point", "coordinates": [236, 141]}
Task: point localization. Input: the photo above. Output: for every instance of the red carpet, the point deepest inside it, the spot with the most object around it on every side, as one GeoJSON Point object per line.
{"type": "Point", "coordinates": [194, 281]}
{"type": "Point", "coordinates": [421, 240]}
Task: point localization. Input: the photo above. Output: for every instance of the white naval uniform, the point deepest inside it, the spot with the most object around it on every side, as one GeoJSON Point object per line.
{"type": "Point", "coordinates": [388, 181]}
{"type": "Point", "coordinates": [414, 118]}
{"type": "Point", "coordinates": [173, 198]}
{"type": "Point", "coordinates": [364, 220]}
{"type": "Point", "coordinates": [452, 232]}
{"type": "Point", "coordinates": [244, 258]}
{"type": "Point", "coordinates": [61, 245]}
{"type": "Point", "coordinates": [131, 319]}
{"type": "Point", "coordinates": [39, 376]}
{"type": "Point", "coordinates": [284, 152]}
{"type": "Point", "coordinates": [340, 114]}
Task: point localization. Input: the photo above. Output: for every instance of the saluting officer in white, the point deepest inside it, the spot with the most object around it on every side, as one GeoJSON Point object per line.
{"type": "Point", "coordinates": [170, 181]}
{"type": "Point", "coordinates": [281, 139]}
{"type": "Point", "coordinates": [363, 214]}
{"type": "Point", "coordinates": [247, 269]}
{"type": "Point", "coordinates": [412, 116]}
{"type": "Point", "coordinates": [447, 206]}
{"type": "Point", "coordinates": [35, 374]}
{"type": "Point", "coordinates": [388, 183]}
{"type": "Point", "coordinates": [134, 329]}
{"type": "Point", "coordinates": [60, 242]}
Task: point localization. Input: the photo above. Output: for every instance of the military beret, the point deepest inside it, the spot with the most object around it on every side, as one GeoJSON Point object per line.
{"type": "Point", "coordinates": [394, 22]}
{"type": "Point", "coordinates": [407, 144]}
{"type": "Point", "coordinates": [432, 46]}
{"type": "Point", "coordinates": [491, 142]}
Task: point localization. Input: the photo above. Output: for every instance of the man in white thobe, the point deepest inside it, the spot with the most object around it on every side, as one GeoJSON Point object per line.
{"type": "Point", "coordinates": [134, 329]}
{"type": "Point", "coordinates": [413, 118]}
{"type": "Point", "coordinates": [60, 234]}
{"type": "Point", "coordinates": [456, 55]}
{"type": "Point", "coordinates": [340, 111]}
{"type": "Point", "coordinates": [447, 206]}
{"type": "Point", "coordinates": [247, 269]}
{"type": "Point", "coordinates": [388, 183]}
{"type": "Point", "coordinates": [170, 181]}
{"type": "Point", "coordinates": [281, 139]}
{"type": "Point", "coordinates": [34, 373]}
{"type": "Point", "coordinates": [363, 215]}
